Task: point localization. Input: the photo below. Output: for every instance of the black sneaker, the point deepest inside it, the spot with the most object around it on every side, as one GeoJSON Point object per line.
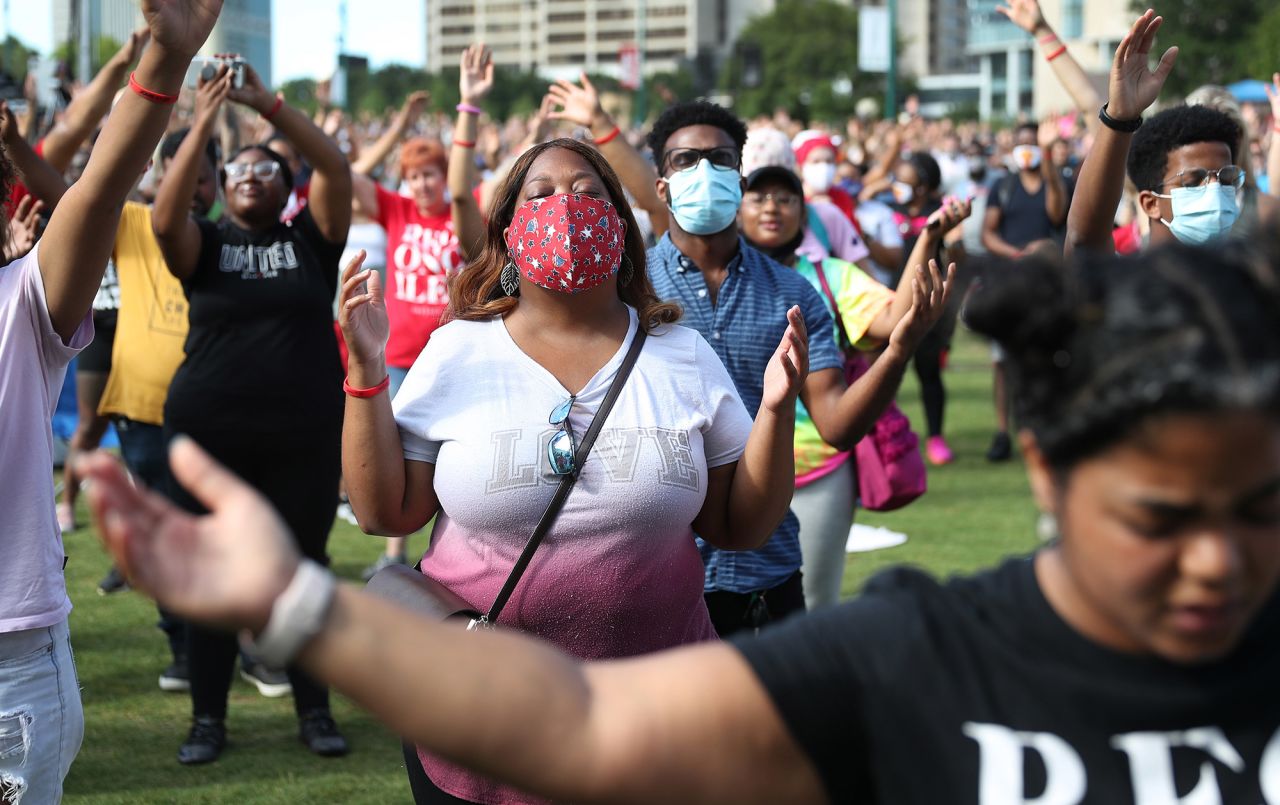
{"type": "Point", "coordinates": [204, 743]}
{"type": "Point", "coordinates": [113, 582]}
{"type": "Point", "coordinates": [270, 683]}
{"type": "Point", "coordinates": [317, 730]}
{"type": "Point", "coordinates": [1001, 448]}
{"type": "Point", "coordinates": [177, 677]}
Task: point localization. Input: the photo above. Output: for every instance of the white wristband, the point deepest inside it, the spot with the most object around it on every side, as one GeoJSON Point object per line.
{"type": "Point", "coordinates": [296, 616]}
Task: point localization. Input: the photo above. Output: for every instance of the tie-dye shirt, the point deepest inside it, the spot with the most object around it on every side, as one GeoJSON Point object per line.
{"type": "Point", "coordinates": [619, 574]}
{"type": "Point", "coordinates": [861, 299]}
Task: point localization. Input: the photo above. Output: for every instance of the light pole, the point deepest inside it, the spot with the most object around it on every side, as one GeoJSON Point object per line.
{"type": "Point", "coordinates": [891, 90]}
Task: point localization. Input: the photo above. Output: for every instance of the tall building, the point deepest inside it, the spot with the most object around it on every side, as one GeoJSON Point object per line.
{"type": "Point", "coordinates": [244, 27]}
{"type": "Point", "coordinates": [561, 37]}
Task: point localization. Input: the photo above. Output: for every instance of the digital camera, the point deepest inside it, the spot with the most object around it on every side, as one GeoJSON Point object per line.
{"type": "Point", "coordinates": [206, 68]}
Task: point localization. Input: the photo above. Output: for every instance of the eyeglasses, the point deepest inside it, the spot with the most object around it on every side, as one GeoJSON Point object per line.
{"type": "Point", "coordinates": [264, 171]}
{"type": "Point", "coordinates": [563, 447]}
{"type": "Point", "coordinates": [1227, 175]}
{"type": "Point", "coordinates": [783, 200]}
{"type": "Point", "coordinates": [724, 158]}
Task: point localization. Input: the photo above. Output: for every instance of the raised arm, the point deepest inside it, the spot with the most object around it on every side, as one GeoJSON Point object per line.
{"type": "Point", "coordinates": [175, 229]}
{"type": "Point", "coordinates": [844, 414]}
{"type": "Point", "coordinates": [1273, 152]}
{"type": "Point", "coordinates": [41, 180]}
{"type": "Point", "coordinates": [1026, 14]}
{"type": "Point", "coordinates": [580, 104]}
{"type": "Point", "coordinates": [389, 494]}
{"type": "Point", "coordinates": [1055, 190]}
{"type": "Point", "coordinates": [81, 232]}
{"type": "Point", "coordinates": [373, 156]}
{"type": "Point", "coordinates": [949, 218]}
{"type": "Point", "coordinates": [747, 499]}
{"type": "Point", "coordinates": [330, 198]}
{"type": "Point", "coordinates": [1132, 89]}
{"type": "Point", "coordinates": [689, 725]}
{"type": "Point", "coordinates": [475, 80]}
{"type": "Point", "coordinates": [91, 104]}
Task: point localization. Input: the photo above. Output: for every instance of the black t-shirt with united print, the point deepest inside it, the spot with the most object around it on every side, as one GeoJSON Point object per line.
{"type": "Point", "coordinates": [976, 691]}
{"type": "Point", "coordinates": [261, 350]}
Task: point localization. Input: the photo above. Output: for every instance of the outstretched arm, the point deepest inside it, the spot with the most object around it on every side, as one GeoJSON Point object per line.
{"type": "Point", "coordinates": [82, 230]}
{"type": "Point", "coordinates": [580, 104]}
{"type": "Point", "coordinates": [689, 725]}
{"type": "Point", "coordinates": [373, 156]}
{"type": "Point", "coordinates": [475, 80]}
{"type": "Point", "coordinates": [1133, 88]}
{"type": "Point", "coordinates": [90, 105]}
{"type": "Point", "coordinates": [1026, 15]}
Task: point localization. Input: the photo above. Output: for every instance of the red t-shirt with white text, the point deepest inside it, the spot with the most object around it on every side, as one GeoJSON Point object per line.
{"type": "Point", "coordinates": [421, 254]}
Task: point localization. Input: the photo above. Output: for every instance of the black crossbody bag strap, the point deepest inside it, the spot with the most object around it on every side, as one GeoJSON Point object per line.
{"type": "Point", "coordinates": [566, 483]}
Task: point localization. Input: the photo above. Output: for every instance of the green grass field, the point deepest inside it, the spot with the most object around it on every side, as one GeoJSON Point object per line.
{"type": "Point", "coordinates": [974, 514]}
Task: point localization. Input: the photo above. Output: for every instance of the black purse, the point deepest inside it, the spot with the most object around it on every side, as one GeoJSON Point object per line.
{"type": "Point", "coordinates": [409, 588]}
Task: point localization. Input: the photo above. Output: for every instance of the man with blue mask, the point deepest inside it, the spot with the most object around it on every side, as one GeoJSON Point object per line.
{"type": "Point", "coordinates": [738, 299]}
{"type": "Point", "coordinates": [1182, 160]}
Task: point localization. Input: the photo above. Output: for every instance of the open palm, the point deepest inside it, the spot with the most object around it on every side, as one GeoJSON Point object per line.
{"type": "Point", "coordinates": [181, 26]}
{"type": "Point", "coordinates": [1025, 14]}
{"type": "Point", "coordinates": [788, 367]}
{"type": "Point", "coordinates": [362, 312]}
{"type": "Point", "coordinates": [476, 77]}
{"type": "Point", "coordinates": [1134, 86]}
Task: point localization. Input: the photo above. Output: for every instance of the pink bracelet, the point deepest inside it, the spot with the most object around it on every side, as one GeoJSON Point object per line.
{"type": "Point", "coordinates": [1048, 38]}
{"type": "Point", "coordinates": [466, 107]}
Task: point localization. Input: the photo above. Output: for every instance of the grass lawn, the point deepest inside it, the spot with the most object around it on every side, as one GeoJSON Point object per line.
{"type": "Point", "coordinates": [974, 514]}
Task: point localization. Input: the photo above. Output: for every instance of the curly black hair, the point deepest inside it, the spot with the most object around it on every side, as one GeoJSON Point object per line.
{"type": "Point", "coordinates": [1102, 344]}
{"type": "Point", "coordinates": [1171, 129]}
{"type": "Point", "coordinates": [693, 113]}
{"type": "Point", "coordinates": [170, 144]}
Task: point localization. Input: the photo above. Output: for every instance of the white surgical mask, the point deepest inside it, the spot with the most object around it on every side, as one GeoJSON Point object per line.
{"type": "Point", "coordinates": [818, 176]}
{"type": "Point", "coordinates": [1027, 157]}
{"type": "Point", "coordinates": [903, 192]}
{"type": "Point", "coordinates": [1202, 214]}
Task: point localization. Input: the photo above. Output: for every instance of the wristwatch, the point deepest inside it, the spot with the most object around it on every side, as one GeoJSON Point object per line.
{"type": "Point", "coordinates": [1126, 126]}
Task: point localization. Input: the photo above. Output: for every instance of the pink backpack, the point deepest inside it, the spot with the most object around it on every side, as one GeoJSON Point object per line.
{"type": "Point", "coordinates": [890, 469]}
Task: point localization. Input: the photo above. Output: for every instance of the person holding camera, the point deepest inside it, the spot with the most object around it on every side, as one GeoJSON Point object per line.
{"type": "Point", "coordinates": [261, 385]}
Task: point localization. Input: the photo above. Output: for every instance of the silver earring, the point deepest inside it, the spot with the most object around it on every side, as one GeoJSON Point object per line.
{"type": "Point", "coordinates": [628, 270]}
{"type": "Point", "coordinates": [509, 279]}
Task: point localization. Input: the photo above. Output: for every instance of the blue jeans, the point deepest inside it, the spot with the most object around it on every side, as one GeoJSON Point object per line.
{"type": "Point", "coordinates": [41, 719]}
{"type": "Point", "coordinates": [146, 454]}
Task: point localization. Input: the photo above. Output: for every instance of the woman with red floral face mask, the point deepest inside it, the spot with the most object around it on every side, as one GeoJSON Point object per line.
{"type": "Point", "coordinates": [539, 324]}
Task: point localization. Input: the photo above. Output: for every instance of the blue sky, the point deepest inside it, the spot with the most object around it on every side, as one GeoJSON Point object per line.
{"type": "Point", "coordinates": [305, 32]}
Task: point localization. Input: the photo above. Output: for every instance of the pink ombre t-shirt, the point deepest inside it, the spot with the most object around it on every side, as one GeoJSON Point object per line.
{"type": "Point", "coordinates": [33, 362]}
{"type": "Point", "coordinates": [619, 573]}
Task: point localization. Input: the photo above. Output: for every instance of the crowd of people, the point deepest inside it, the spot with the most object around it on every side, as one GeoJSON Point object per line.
{"type": "Point", "coordinates": [289, 317]}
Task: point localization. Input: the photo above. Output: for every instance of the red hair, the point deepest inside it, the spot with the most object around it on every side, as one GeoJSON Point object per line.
{"type": "Point", "coordinates": [419, 152]}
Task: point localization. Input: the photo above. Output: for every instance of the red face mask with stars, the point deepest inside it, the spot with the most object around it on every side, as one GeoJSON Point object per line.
{"type": "Point", "coordinates": [568, 242]}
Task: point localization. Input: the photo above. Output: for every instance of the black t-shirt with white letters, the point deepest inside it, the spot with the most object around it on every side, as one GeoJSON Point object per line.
{"type": "Point", "coordinates": [976, 691]}
{"type": "Point", "coordinates": [261, 354]}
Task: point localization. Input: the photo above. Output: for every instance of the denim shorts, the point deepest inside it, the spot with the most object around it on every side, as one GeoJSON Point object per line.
{"type": "Point", "coordinates": [41, 720]}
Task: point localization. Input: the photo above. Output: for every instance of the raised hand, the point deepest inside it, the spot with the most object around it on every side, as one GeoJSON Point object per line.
{"type": "Point", "coordinates": [1025, 14]}
{"type": "Point", "coordinates": [211, 94]}
{"type": "Point", "coordinates": [951, 214]}
{"type": "Point", "coordinates": [362, 312]}
{"type": "Point", "coordinates": [788, 367]}
{"type": "Point", "coordinates": [414, 105]}
{"type": "Point", "coordinates": [1134, 86]}
{"type": "Point", "coordinates": [254, 93]}
{"type": "Point", "coordinates": [1273, 95]}
{"type": "Point", "coordinates": [541, 122]}
{"type": "Point", "coordinates": [24, 229]}
{"type": "Point", "coordinates": [929, 296]}
{"type": "Point", "coordinates": [579, 104]}
{"type": "Point", "coordinates": [476, 77]}
{"type": "Point", "coordinates": [1046, 135]}
{"type": "Point", "coordinates": [225, 568]}
{"type": "Point", "coordinates": [180, 26]}
{"type": "Point", "coordinates": [132, 49]}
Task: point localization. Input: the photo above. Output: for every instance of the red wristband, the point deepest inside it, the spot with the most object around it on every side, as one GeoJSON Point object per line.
{"type": "Point", "coordinates": [465, 143]}
{"type": "Point", "coordinates": [275, 107]}
{"type": "Point", "coordinates": [1047, 38]}
{"type": "Point", "coordinates": [151, 95]}
{"type": "Point", "coordinates": [365, 394]}
{"type": "Point", "coordinates": [610, 137]}
{"type": "Point", "coordinates": [1056, 53]}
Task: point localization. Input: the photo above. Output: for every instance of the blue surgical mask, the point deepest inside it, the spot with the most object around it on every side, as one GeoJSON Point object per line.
{"type": "Point", "coordinates": [704, 198]}
{"type": "Point", "coordinates": [1202, 214]}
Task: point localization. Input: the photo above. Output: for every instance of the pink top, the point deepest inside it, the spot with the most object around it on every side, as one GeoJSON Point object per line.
{"type": "Point", "coordinates": [33, 363]}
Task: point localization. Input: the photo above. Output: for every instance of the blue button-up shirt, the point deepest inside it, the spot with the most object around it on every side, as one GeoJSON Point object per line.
{"type": "Point", "coordinates": [744, 326]}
